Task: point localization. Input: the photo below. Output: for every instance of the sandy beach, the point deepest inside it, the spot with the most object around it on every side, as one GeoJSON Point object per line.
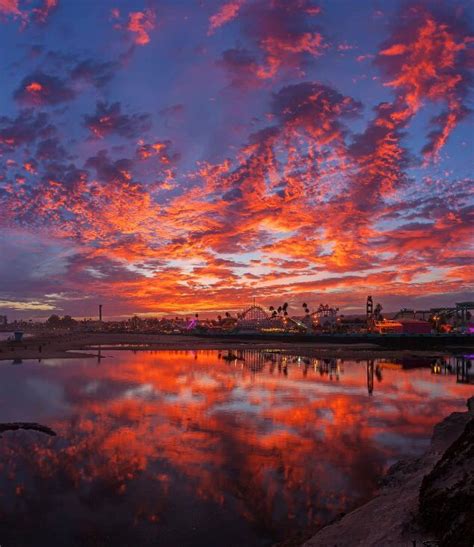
{"type": "Point", "coordinates": [53, 346]}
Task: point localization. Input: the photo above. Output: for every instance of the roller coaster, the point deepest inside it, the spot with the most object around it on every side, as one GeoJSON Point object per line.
{"type": "Point", "coordinates": [257, 319]}
{"type": "Point", "coordinates": [254, 314]}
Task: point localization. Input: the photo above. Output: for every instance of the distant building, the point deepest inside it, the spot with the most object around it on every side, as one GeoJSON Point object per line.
{"type": "Point", "coordinates": [414, 326]}
{"type": "Point", "coordinates": [388, 326]}
{"type": "Point", "coordinates": [352, 324]}
{"type": "Point", "coordinates": [403, 326]}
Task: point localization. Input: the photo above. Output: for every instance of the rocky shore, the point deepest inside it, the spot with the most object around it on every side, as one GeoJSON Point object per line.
{"type": "Point", "coordinates": [423, 501]}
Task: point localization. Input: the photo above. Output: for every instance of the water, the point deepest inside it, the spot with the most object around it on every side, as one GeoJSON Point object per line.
{"type": "Point", "coordinates": [188, 448]}
{"type": "Point", "coordinates": [8, 335]}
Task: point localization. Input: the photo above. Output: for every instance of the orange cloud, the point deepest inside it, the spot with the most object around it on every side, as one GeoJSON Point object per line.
{"type": "Point", "coordinates": [36, 14]}
{"type": "Point", "coordinates": [279, 51]}
{"type": "Point", "coordinates": [141, 23]}
{"type": "Point", "coordinates": [226, 13]}
{"type": "Point", "coordinates": [427, 61]}
{"type": "Point", "coordinates": [9, 7]}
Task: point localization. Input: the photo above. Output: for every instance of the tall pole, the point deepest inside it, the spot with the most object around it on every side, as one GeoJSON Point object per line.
{"type": "Point", "coordinates": [100, 313]}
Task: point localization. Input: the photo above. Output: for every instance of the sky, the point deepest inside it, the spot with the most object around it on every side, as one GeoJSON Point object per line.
{"type": "Point", "coordinates": [188, 156]}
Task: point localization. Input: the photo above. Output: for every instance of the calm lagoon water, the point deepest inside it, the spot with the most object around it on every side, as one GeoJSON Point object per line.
{"type": "Point", "coordinates": [9, 335]}
{"type": "Point", "coordinates": [200, 449]}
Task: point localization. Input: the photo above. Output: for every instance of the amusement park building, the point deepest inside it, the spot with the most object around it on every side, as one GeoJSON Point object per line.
{"type": "Point", "coordinates": [403, 326]}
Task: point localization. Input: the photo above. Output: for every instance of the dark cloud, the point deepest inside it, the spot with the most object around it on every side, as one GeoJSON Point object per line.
{"type": "Point", "coordinates": [380, 157]}
{"type": "Point", "coordinates": [27, 127]}
{"type": "Point", "coordinates": [50, 149]}
{"type": "Point", "coordinates": [310, 104]}
{"type": "Point", "coordinates": [85, 268]}
{"type": "Point", "coordinates": [109, 120]}
{"type": "Point", "coordinates": [68, 176]}
{"type": "Point", "coordinates": [233, 195]}
{"type": "Point", "coordinates": [108, 170]}
{"type": "Point", "coordinates": [284, 33]}
{"type": "Point", "coordinates": [28, 255]}
{"type": "Point", "coordinates": [264, 136]}
{"type": "Point", "coordinates": [377, 130]}
{"type": "Point", "coordinates": [241, 65]}
{"type": "Point", "coordinates": [93, 72]}
{"type": "Point", "coordinates": [42, 89]}
{"type": "Point", "coordinates": [238, 58]}
{"type": "Point", "coordinates": [162, 150]}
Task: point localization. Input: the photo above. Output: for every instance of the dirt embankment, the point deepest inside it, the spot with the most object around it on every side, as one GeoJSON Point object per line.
{"type": "Point", "coordinates": [428, 499]}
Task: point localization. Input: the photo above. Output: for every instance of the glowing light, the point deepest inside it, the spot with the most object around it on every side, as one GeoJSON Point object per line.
{"type": "Point", "coordinates": [34, 87]}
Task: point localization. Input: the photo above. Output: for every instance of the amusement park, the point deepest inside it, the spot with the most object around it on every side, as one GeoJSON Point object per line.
{"type": "Point", "coordinates": [278, 320]}
{"type": "Point", "coordinates": [327, 319]}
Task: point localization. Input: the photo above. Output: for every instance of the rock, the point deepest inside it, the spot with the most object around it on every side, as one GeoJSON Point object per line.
{"type": "Point", "coordinates": [446, 501]}
{"type": "Point", "coordinates": [419, 498]}
{"type": "Point", "coordinates": [470, 405]}
{"type": "Point", "coordinates": [447, 431]}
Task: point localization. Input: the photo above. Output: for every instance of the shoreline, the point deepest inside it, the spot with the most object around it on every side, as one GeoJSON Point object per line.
{"type": "Point", "coordinates": [392, 517]}
{"type": "Point", "coordinates": [68, 346]}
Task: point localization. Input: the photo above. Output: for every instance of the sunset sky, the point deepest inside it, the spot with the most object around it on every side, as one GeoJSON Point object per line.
{"type": "Point", "coordinates": [189, 155]}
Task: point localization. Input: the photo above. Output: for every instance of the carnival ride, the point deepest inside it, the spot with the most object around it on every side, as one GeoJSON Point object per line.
{"type": "Point", "coordinates": [325, 316]}
{"type": "Point", "coordinates": [192, 324]}
{"type": "Point", "coordinates": [256, 319]}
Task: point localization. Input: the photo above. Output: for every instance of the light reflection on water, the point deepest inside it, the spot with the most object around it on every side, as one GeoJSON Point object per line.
{"type": "Point", "coordinates": [206, 448]}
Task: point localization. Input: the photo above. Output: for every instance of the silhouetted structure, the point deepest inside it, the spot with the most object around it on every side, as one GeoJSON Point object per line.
{"type": "Point", "coordinates": [369, 311]}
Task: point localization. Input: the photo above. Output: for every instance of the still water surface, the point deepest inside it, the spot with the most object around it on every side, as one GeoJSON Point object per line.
{"type": "Point", "coordinates": [9, 335]}
{"type": "Point", "coordinates": [200, 449]}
